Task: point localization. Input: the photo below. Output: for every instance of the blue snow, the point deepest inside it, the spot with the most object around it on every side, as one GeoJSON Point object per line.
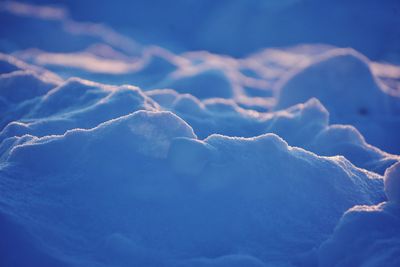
{"type": "Point", "coordinates": [199, 133]}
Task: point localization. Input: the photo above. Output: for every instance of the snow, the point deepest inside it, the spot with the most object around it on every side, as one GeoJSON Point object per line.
{"type": "Point", "coordinates": [189, 156]}
{"type": "Point", "coordinates": [366, 235]}
{"type": "Point", "coordinates": [207, 84]}
{"type": "Point", "coordinates": [18, 86]}
{"type": "Point", "coordinates": [343, 81]}
{"type": "Point", "coordinates": [392, 186]}
{"type": "Point", "coordinates": [132, 161]}
{"type": "Point", "coordinates": [123, 152]}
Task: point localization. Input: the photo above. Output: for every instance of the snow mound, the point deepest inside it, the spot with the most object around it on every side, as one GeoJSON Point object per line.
{"type": "Point", "coordinates": [148, 169]}
{"type": "Point", "coordinates": [367, 235]}
{"type": "Point", "coordinates": [343, 81]}
{"type": "Point", "coordinates": [347, 141]}
{"type": "Point", "coordinates": [78, 103]}
{"type": "Point", "coordinates": [303, 125]}
{"type": "Point", "coordinates": [206, 84]}
{"type": "Point", "coordinates": [149, 131]}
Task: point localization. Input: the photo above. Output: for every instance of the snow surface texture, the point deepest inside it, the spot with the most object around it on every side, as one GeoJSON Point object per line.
{"type": "Point", "coordinates": [115, 153]}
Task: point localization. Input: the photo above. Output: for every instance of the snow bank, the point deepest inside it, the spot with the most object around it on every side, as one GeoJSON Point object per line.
{"type": "Point", "coordinates": [177, 199]}
{"type": "Point", "coordinates": [77, 103]}
{"type": "Point", "coordinates": [342, 80]}
{"type": "Point", "coordinates": [367, 235]}
{"type": "Point", "coordinates": [304, 125]}
{"type": "Point", "coordinates": [347, 141]}
{"type": "Point", "coordinates": [148, 130]}
{"type": "Point", "coordinates": [339, 73]}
